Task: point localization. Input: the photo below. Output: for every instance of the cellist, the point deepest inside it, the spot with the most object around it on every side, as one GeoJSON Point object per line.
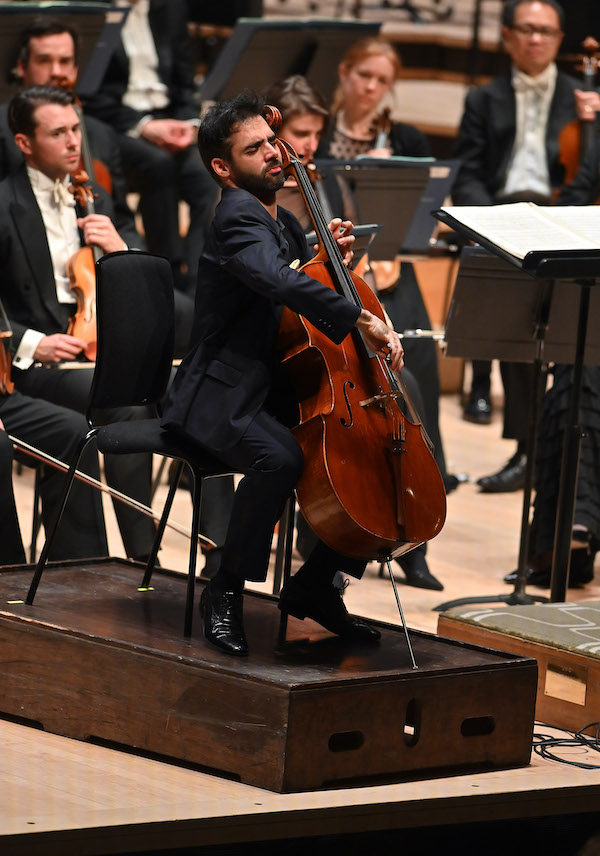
{"type": "Point", "coordinates": [228, 395]}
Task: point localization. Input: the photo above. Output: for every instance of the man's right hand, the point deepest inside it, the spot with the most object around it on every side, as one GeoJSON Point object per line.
{"type": "Point", "coordinates": [173, 135]}
{"type": "Point", "coordinates": [58, 347]}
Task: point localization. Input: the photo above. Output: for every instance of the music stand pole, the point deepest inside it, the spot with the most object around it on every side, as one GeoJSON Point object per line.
{"type": "Point", "coordinates": [518, 597]}
{"type": "Point", "coordinates": [565, 511]}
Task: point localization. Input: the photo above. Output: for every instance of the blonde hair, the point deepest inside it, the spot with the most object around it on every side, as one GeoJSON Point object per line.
{"type": "Point", "coordinates": [364, 49]}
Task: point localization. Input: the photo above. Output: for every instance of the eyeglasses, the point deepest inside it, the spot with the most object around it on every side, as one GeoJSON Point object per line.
{"type": "Point", "coordinates": [528, 30]}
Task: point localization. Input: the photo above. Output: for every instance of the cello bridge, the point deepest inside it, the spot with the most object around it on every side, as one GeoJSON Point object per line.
{"type": "Point", "coordinates": [381, 399]}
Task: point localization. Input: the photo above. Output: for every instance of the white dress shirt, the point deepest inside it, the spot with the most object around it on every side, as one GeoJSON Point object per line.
{"type": "Point", "coordinates": [145, 90]}
{"type": "Point", "coordinates": [57, 207]}
{"type": "Point", "coordinates": [528, 166]}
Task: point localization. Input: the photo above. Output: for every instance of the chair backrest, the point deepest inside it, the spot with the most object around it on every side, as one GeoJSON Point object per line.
{"type": "Point", "coordinates": [135, 318]}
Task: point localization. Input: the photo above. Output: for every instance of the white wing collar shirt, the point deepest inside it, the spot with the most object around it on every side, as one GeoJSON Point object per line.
{"type": "Point", "coordinates": [528, 166]}
{"type": "Point", "coordinates": [57, 207]}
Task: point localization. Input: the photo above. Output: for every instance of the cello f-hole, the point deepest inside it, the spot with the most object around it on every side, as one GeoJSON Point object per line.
{"type": "Point", "coordinates": [347, 423]}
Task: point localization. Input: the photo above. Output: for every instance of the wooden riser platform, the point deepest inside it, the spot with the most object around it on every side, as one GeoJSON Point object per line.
{"type": "Point", "coordinates": [568, 694]}
{"type": "Point", "coordinates": [93, 657]}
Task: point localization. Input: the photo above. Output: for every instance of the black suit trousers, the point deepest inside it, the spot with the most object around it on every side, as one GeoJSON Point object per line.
{"type": "Point", "coordinates": [162, 179]}
{"type": "Point", "coordinates": [56, 431]}
{"type": "Point", "coordinates": [271, 461]}
{"type": "Point", "coordinates": [130, 474]}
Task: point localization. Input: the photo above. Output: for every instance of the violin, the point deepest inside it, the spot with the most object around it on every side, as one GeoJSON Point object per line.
{"type": "Point", "coordinates": [81, 270]}
{"type": "Point", "coordinates": [370, 488]}
{"type": "Point", "coordinates": [576, 139]}
{"type": "Point", "coordinates": [6, 384]}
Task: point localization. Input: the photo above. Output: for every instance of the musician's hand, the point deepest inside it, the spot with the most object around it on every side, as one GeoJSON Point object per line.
{"type": "Point", "coordinates": [2, 428]}
{"type": "Point", "coordinates": [99, 229]}
{"type": "Point", "coordinates": [342, 232]}
{"type": "Point", "coordinates": [58, 347]}
{"type": "Point", "coordinates": [381, 339]}
{"type": "Point", "coordinates": [379, 153]}
{"type": "Point", "coordinates": [173, 135]}
{"type": "Point", "coordinates": [587, 104]}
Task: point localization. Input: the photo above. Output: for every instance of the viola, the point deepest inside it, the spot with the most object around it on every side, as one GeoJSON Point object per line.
{"type": "Point", "coordinates": [576, 139]}
{"type": "Point", "coordinates": [370, 488]}
{"type": "Point", "coordinates": [81, 270]}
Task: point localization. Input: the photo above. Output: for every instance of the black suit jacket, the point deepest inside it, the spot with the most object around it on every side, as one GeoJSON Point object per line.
{"type": "Point", "coordinates": [103, 146]}
{"type": "Point", "coordinates": [27, 285]}
{"type": "Point", "coordinates": [487, 133]}
{"type": "Point", "coordinates": [168, 23]}
{"type": "Point", "coordinates": [244, 279]}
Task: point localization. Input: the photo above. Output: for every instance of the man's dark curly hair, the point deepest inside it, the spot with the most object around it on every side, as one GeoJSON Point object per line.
{"type": "Point", "coordinates": [221, 122]}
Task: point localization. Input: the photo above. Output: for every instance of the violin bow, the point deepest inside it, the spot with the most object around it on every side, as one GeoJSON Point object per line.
{"type": "Point", "coordinates": [45, 458]}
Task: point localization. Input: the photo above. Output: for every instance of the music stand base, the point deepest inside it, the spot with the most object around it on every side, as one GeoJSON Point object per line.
{"type": "Point", "coordinates": [512, 599]}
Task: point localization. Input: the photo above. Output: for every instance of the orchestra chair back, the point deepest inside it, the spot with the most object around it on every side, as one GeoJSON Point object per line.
{"type": "Point", "coordinates": [135, 317]}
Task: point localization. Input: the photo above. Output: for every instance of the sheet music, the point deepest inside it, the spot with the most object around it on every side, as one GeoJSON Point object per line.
{"type": "Point", "coordinates": [523, 227]}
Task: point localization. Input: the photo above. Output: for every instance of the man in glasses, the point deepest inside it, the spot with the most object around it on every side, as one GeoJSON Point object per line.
{"type": "Point", "coordinates": [508, 144]}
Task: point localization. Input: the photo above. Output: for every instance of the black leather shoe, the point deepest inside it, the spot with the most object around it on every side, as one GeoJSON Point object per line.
{"type": "Point", "coordinates": [581, 571]}
{"type": "Point", "coordinates": [510, 477]}
{"type": "Point", "coordinates": [223, 621]}
{"type": "Point", "coordinates": [478, 408]}
{"type": "Point", "coordinates": [324, 605]}
{"type": "Point", "coordinates": [534, 577]}
{"type": "Point", "coordinates": [418, 574]}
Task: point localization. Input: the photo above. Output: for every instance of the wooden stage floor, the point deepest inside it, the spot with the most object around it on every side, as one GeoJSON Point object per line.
{"type": "Point", "coordinates": [60, 796]}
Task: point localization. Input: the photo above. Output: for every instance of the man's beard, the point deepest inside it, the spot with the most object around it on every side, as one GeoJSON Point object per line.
{"type": "Point", "coordinates": [264, 186]}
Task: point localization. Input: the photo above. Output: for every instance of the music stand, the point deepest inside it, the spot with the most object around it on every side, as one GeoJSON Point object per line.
{"type": "Point", "coordinates": [529, 317]}
{"type": "Point", "coordinates": [397, 192]}
{"type": "Point", "coordinates": [259, 52]}
{"type": "Point", "coordinates": [98, 28]}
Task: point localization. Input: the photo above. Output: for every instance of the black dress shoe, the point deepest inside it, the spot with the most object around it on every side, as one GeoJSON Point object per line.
{"type": "Point", "coordinates": [324, 605]}
{"type": "Point", "coordinates": [510, 477]}
{"type": "Point", "coordinates": [533, 577]}
{"type": "Point", "coordinates": [417, 573]}
{"type": "Point", "coordinates": [223, 621]}
{"type": "Point", "coordinates": [478, 408]}
{"type": "Point", "coordinates": [581, 571]}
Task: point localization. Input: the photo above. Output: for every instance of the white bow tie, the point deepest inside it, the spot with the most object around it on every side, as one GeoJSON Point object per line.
{"type": "Point", "coordinates": [61, 195]}
{"type": "Point", "coordinates": [524, 83]}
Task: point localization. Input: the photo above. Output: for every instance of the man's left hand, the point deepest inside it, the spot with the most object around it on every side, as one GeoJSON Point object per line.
{"type": "Point", "coordinates": [99, 230]}
{"type": "Point", "coordinates": [587, 104]}
{"type": "Point", "coordinates": [342, 232]}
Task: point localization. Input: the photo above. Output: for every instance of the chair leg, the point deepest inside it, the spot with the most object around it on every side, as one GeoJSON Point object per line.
{"type": "Point", "coordinates": [286, 535]}
{"type": "Point", "coordinates": [59, 513]}
{"type": "Point", "coordinates": [162, 524]}
{"type": "Point", "coordinates": [191, 583]}
{"type": "Point", "coordinates": [37, 515]}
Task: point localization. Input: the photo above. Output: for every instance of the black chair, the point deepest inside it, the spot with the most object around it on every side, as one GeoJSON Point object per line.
{"type": "Point", "coordinates": [134, 304]}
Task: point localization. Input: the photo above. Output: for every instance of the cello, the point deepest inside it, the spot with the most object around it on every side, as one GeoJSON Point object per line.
{"type": "Point", "coordinates": [370, 488]}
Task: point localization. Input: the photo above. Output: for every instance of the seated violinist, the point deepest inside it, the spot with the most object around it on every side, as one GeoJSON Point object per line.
{"type": "Point", "coordinates": [228, 395]}
{"type": "Point", "coordinates": [40, 229]}
{"type": "Point", "coordinates": [47, 56]}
